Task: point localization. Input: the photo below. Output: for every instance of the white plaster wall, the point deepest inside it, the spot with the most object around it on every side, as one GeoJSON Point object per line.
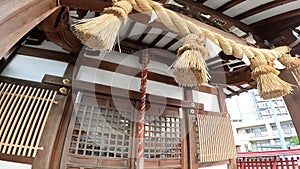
{"type": "Point", "coordinates": [210, 101]}
{"type": "Point", "coordinates": [32, 68]}
{"type": "Point", "coordinates": [108, 78]}
{"type": "Point", "coordinates": [119, 80]}
{"type": "Point", "coordinates": [12, 165]}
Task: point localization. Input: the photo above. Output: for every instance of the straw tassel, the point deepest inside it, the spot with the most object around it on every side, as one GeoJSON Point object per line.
{"type": "Point", "coordinates": [100, 33]}
{"type": "Point", "coordinates": [269, 85]}
{"type": "Point", "coordinates": [190, 68]}
{"type": "Point", "coordinates": [292, 64]}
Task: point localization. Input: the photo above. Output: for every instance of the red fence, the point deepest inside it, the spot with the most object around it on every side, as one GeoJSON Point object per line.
{"type": "Point", "coordinates": [282, 159]}
{"type": "Point", "coordinates": [268, 163]}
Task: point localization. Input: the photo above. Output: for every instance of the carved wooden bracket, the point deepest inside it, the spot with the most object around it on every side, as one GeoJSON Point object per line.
{"type": "Point", "coordinates": [57, 29]}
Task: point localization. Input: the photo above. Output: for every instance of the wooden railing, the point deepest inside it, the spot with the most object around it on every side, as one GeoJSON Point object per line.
{"type": "Point", "coordinates": [281, 159]}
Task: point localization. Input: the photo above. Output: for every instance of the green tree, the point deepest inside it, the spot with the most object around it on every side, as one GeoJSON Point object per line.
{"type": "Point", "coordinates": [294, 141]}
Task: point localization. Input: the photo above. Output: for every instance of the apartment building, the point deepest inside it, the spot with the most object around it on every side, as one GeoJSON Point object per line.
{"type": "Point", "coordinates": [260, 125]}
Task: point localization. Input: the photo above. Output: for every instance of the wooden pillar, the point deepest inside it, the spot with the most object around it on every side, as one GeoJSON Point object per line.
{"type": "Point", "coordinates": [292, 101]}
{"type": "Point", "coordinates": [191, 130]}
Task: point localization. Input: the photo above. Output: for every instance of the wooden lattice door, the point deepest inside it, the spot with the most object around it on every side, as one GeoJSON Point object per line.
{"type": "Point", "coordinates": [163, 137]}
{"type": "Point", "coordinates": [100, 134]}
{"type": "Point", "coordinates": [103, 134]}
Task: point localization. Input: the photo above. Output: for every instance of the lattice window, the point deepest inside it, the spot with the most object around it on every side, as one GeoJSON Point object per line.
{"type": "Point", "coordinates": [162, 137]}
{"type": "Point", "coordinates": [101, 131]}
{"type": "Point", "coordinates": [24, 112]}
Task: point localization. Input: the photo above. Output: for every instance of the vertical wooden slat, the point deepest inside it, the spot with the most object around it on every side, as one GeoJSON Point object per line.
{"type": "Point", "coordinates": [2, 109]}
{"type": "Point", "coordinates": [19, 118]}
{"type": "Point", "coordinates": [19, 106]}
{"type": "Point", "coordinates": [3, 97]}
{"type": "Point", "coordinates": [28, 125]}
{"type": "Point", "coordinates": [44, 123]}
{"type": "Point", "coordinates": [35, 118]}
{"type": "Point", "coordinates": [37, 121]}
{"type": "Point", "coordinates": [12, 120]}
{"type": "Point", "coordinates": [6, 116]}
{"type": "Point", "coordinates": [1, 90]}
{"type": "Point", "coordinates": [23, 118]}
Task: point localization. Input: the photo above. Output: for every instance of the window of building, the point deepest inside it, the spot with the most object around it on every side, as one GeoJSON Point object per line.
{"type": "Point", "coordinates": [261, 146]}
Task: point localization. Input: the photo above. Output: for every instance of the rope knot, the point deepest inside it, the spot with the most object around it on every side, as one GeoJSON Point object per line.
{"type": "Point", "coordinates": [193, 42]}
{"type": "Point", "coordinates": [289, 62]}
{"type": "Point", "coordinates": [121, 9]}
{"type": "Point", "coordinates": [263, 69]}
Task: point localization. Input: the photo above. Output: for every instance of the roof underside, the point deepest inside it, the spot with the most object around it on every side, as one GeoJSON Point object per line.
{"type": "Point", "coordinates": [271, 22]}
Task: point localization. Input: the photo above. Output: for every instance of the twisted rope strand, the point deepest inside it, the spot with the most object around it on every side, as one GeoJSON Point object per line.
{"type": "Point", "coordinates": [177, 24]}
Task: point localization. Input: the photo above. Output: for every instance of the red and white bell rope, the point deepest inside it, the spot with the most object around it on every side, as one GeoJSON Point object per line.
{"type": "Point", "coordinates": [141, 130]}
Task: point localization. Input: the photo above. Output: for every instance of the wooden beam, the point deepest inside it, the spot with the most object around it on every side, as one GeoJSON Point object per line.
{"type": "Point", "coordinates": [271, 32]}
{"type": "Point", "coordinates": [144, 18]}
{"type": "Point", "coordinates": [129, 30]}
{"type": "Point", "coordinates": [262, 8]}
{"type": "Point", "coordinates": [94, 5]}
{"type": "Point", "coordinates": [47, 54]}
{"type": "Point", "coordinates": [228, 5]}
{"type": "Point", "coordinates": [236, 76]}
{"type": "Point", "coordinates": [142, 37]}
{"type": "Point", "coordinates": [18, 19]}
{"type": "Point", "coordinates": [157, 39]}
{"type": "Point", "coordinates": [201, 1]}
{"type": "Point", "coordinates": [79, 85]}
{"type": "Point", "coordinates": [195, 9]}
{"type": "Point", "coordinates": [172, 42]}
{"type": "Point", "coordinates": [276, 18]}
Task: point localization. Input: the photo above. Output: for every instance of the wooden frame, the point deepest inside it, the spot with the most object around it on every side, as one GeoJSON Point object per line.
{"type": "Point", "coordinates": [50, 129]}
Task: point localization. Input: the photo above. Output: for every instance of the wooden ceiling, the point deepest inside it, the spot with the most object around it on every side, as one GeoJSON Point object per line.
{"type": "Point", "coordinates": [268, 20]}
{"type": "Point", "coordinates": [271, 20]}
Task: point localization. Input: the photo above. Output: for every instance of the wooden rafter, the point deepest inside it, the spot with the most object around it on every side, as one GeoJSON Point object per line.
{"type": "Point", "coordinates": [129, 30]}
{"type": "Point", "coordinates": [195, 9]}
{"type": "Point", "coordinates": [172, 42]}
{"type": "Point", "coordinates": [201, 1]}
{"type": "Point", "coordinates": [282, 29]}
{"type": "Point", "coordinates": [157, 39]}
{"type": "Point", "coordinates": [47, 54]}
{"type": "Point", "coordinates": [262, 8]}
{"type": "Point", "coordinates": [228, 5]}
{"type": "Point", "coordinates": [142, 37]}
{"type": "Point", "coordinates": [98, 5]}
{"type": "Point", "coordinates": [276, 19]}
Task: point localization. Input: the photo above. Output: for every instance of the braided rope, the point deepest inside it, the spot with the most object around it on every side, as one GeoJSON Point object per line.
{"type": "Point", "coordinates": [141, 131]}
{"type": "Point", "coordinates": [177, 24]}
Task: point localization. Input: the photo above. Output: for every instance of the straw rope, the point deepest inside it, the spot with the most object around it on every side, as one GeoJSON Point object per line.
{"type": "Point", "coordinates": [190, 68]}
{"type": "Point", "coordinates": [269, 85]}
{"type": "Point", "coordinates": [292, 64]}
{"type": "Point", "coordinates": [177, 24]}
{"type": "Point", "coordinates": [100, 32]}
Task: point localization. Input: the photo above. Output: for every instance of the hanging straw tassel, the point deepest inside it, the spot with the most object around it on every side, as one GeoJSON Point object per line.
{"type": "Point", "coordinates": [190, 68]}
{"type": "Point", "coordinates": [292, 64]}
{"type": "Point", "coordinates": [100, 33]}
{"type": "Point", "coordinates": [269, 85]}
